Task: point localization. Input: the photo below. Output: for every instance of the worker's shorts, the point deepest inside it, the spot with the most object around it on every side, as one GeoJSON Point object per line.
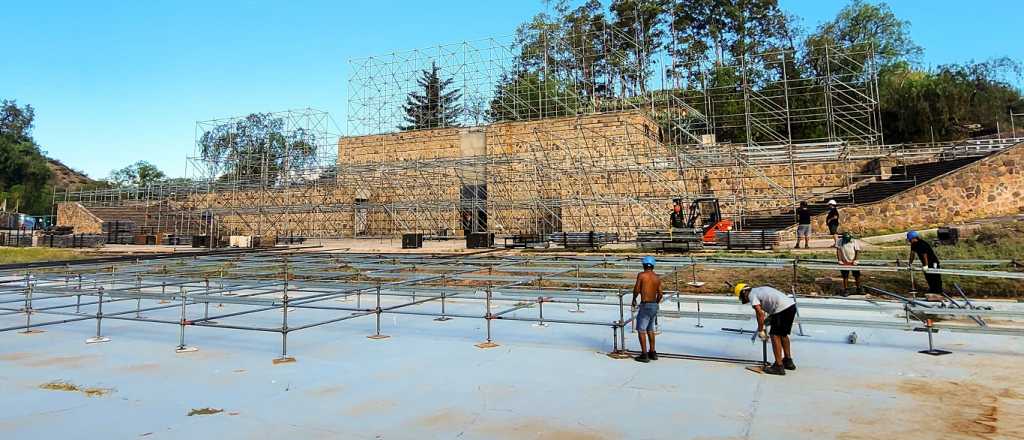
{"type": "Point", "coordinates": [833, 228]}
{"type": "Point", "coordinates": [782, 322]}
{"type": "Point", "coordinates": [645, 317]}
{"type": "Point", "coordinates": [846, 273]}
{"type": "Point", "coordinates": [803, 231]}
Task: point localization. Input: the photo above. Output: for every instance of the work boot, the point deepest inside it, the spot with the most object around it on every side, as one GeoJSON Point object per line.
{"type": "Point", "coordinates": [653, 355]}
{"type": "Point", "coordinates": [775, 369]}
{"type": "Point", "coordinates": [642, 358]}
{"type": "Point", "coordinates": [788, 363]}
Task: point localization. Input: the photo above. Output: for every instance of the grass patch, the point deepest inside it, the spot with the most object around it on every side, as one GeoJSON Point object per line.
{"type": "Point", "coordinates": [204, 411]}
{"type": "Point", "coordinates": [9, 255]}
{"type": "Point", "coordinates": [60, 385]}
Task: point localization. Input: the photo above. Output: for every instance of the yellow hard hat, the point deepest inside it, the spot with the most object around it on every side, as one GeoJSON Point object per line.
{"type": "Point", "coordinates": [739, 289]}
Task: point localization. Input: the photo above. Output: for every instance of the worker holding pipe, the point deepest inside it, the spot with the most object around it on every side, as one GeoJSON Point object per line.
{"type": "Point", "coordinates": [773, 307]}
{"type": "Point", "coordinates": [648, 287]}
{"type": "Point", "coordinates": [929, 260]}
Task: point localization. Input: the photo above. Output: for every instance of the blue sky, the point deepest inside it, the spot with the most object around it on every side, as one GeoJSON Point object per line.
{"type": "Point", "coordinates": [117, 82]}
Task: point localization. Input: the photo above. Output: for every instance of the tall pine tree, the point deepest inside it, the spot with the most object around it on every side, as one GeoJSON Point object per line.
{"type": "Point", "coordinates": [435, 106]}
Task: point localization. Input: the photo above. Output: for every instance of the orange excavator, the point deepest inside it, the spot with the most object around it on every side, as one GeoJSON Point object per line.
{"type": "Point", "coordinates": [706, 214]}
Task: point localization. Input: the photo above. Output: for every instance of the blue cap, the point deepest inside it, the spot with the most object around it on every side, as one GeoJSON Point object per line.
{"type": "Point", "coordinates": [647, 261]}
{"type": "Point", "coordinates": [912, 235]}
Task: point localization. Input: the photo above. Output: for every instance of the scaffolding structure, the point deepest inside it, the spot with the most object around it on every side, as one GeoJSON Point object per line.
{"type": "Point", "coordinates": [286, 291]}
{"type": "Point", "coordinates": [552, 132]}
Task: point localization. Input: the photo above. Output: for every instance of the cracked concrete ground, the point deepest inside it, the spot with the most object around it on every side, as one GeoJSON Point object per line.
{"type": "Point", "coordinates": [429, 381]}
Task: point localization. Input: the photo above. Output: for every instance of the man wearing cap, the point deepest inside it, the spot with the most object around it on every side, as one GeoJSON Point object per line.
{"type": "Point", "coordinates": [677, 219]}
{"type": "Point", "coordinates": [803, 227]}
{"type": "Point", "coordinates": [929, 260]}
{"type": "Point", "coordinates": [847, 252]}
{"type": "Point", "coordinates": [777, 309]}
{"type": "Point", "coordinates": [648, 287]}
{"type": "Point", "coordinates": [832, 218]}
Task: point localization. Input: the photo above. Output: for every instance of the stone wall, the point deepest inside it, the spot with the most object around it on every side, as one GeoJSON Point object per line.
{"type": "Point", "coordinates": [75, 215]}
{"type": "Point", "coordinates": [991, 187]}
{"type": "Point", "coordinates": [577, 165]}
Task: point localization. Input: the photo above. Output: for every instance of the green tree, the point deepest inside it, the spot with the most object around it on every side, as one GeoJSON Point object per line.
{"type": "Point", "coordinates": [527, 96]}
{"type": "Point", "coordinates": [875, 31]}
{"type": "Point", "coordinates": [718, 30]}
{"type": "Point", "coordinates": [24, 173]}
{"type": "Point", "coordinates": [951, 102]}
{"type": "Point", "coordinates": [638, 35]}
{"type": "Point", "coordinates": [587, 61]}
{"type": "Point", "coordinates": [16, 121]}
{"type": "Point", "coordinates": [138, 174]}
{"type": "Point", "coordinates": [257, 147]}
{"type": "Point", "coordinates": [435, 106]}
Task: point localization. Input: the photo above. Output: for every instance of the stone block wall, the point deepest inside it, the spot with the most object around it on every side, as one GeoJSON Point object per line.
{"type": "Point", "coordinates": [991, 187]}
{"type": "Point", "coordinates": [562, 159]}
{"type": "Point", "coordinates": [75, 215]}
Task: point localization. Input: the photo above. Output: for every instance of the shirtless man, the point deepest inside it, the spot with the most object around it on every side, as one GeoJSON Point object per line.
{"type": "Point", "coordinates": [648, 286]}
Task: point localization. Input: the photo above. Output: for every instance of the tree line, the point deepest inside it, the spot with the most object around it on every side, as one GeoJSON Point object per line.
{"type": "Point", "coordinates": [579, 57]}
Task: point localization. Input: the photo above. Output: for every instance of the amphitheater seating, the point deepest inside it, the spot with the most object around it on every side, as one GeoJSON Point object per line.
{"type": "Point", "coordinates": [902, 179]}
{"type": "Point", "coordinates": [149, 220]}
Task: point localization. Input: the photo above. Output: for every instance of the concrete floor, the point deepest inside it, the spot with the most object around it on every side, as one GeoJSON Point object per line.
{"type": "Point", "coordinates": [429, 381]}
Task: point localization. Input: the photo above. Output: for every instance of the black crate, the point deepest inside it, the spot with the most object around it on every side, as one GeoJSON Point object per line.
{"type": "Point", "coordinates": [480, 240]}
{"type": "Point", "coordinates": [200, 241]}
{"type": "Point", "coordinates": [948, 235]}
{"type": "Point", "coordinates": [412, 241]}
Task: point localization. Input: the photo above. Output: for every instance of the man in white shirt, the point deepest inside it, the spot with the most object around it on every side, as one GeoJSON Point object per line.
{"type": "Point", "coordinates": [779, 310]}
{"type": "Point", "coordinates": [847, 251]}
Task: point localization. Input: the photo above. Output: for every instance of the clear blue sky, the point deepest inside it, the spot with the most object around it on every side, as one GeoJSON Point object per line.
{"type": "Point", "coordinates": [117, 82]}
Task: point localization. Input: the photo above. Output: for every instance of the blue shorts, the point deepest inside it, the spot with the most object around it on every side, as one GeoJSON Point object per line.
{"type": "Point", "coordinates": [645, 317]}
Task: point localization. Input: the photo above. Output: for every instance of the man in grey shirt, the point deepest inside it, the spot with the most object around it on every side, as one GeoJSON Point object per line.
{"type": "Point", "coordinates": [847, 252]}
{"type": "Point", "coordinates": [779, 310]}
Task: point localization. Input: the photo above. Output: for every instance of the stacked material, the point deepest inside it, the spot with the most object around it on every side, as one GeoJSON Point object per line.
{"type": "Point", "coordinates": [289, 239]}
{"type": "Point", "coordinates": [71, 240]}
{"type": "Point", "coordinates": [681, 239]}
{"type": "Point", "coordinates": [748, 239]}
{"type": "Point", "coordinates": [177, 240]}
{"type": "Point", "coordinates": [526, 241]}
{"type": "Point", "coordinates": [588, 240]}
{"type": "Point", "coordinates": [16, 238]}
{"type": "Point", "coordinates": [119, 231]}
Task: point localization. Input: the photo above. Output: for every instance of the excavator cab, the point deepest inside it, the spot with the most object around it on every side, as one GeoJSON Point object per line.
{"type": "Point", "coordinates": [706, 214]}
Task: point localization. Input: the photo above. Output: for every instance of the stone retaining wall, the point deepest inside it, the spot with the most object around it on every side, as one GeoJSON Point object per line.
{"type": "Point", "coordinates": [990, 187]}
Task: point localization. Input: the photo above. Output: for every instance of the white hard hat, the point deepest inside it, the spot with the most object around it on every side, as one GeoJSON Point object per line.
{"type": "Point", "coordinates": [832, 202]}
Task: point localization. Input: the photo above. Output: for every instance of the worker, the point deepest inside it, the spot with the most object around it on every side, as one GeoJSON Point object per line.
{"type": "Point", "coordinates": [648, 287]}
{"type": "Point", "coordinates": [777, 310]}
{"type": "Point", "coordinates": [803, 228]}
{"type": "Point", "coordinates": [678, 219]}
{"type": "Point", "coordinates": [847, 252]}
{"type": "Point", "coordinates": [929, 260]}
{"type": "Point", "coordinates": [832, 218]}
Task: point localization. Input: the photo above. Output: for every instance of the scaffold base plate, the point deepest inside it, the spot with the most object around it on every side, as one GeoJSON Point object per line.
{"type": "Point", "coordinates": [378, 337]}
{"type": "Point", "coordinates": [486, 345]}
{"type": "Point", "coordinates": [283, 360]}
{"type": "Point", "coordinates": [935, 352]}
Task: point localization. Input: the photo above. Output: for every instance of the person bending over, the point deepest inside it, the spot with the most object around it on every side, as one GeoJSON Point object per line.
{"type": "Point", "coordinates": [777, 309]}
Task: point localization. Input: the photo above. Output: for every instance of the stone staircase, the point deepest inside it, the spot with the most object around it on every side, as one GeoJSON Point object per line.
{"type": "Point", "coordinates": [902, 178]}
{"type": "Point", "coordinates": [147, 219]}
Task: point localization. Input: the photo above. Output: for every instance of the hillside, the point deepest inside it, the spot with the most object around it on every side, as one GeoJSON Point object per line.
{"type": "Point", "coordinates": [64, 176]}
